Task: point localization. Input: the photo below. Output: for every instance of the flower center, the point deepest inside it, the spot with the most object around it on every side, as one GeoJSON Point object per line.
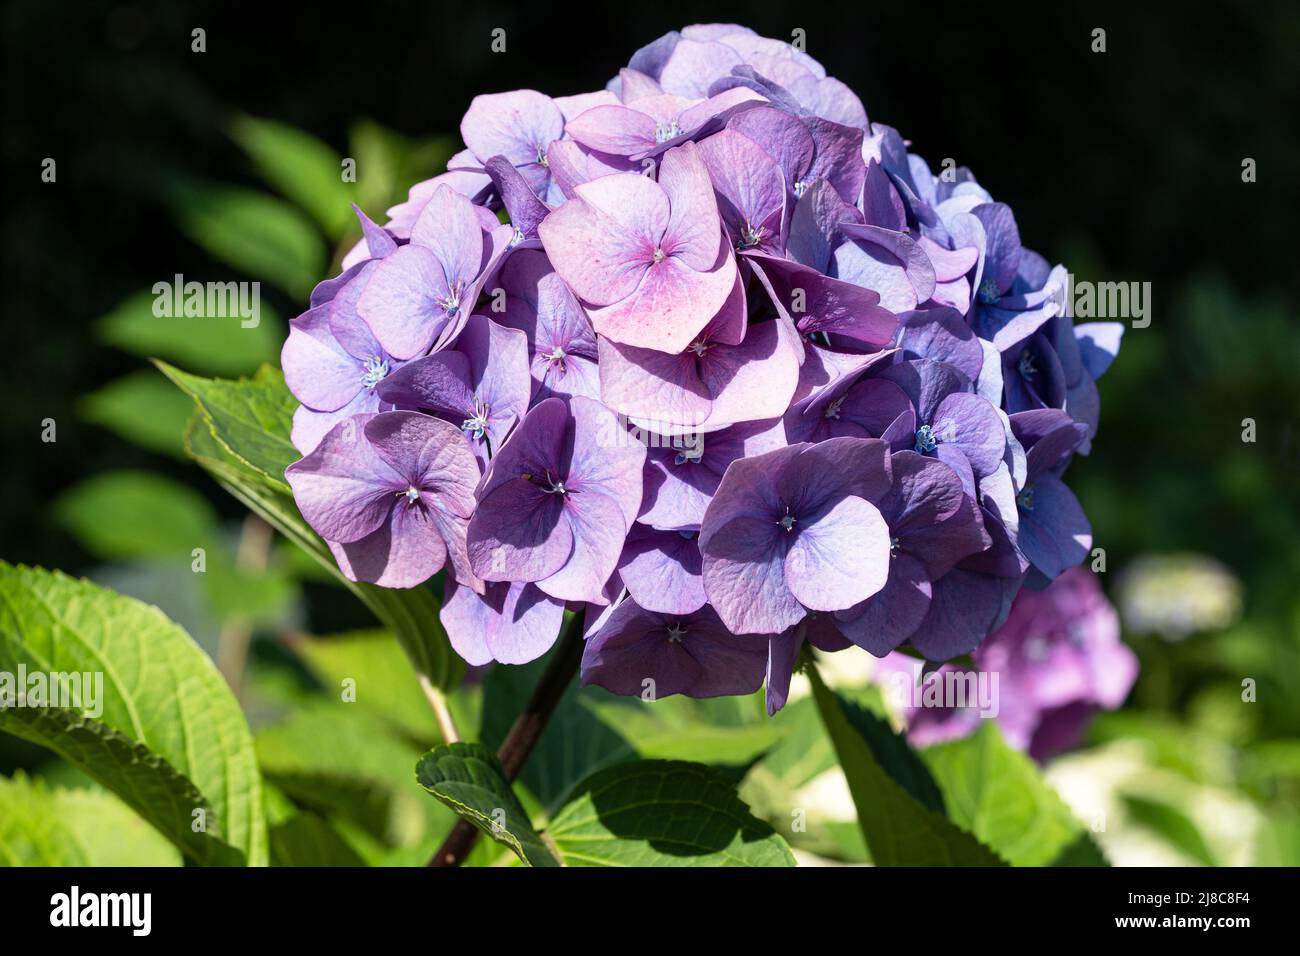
{"type": "Point", "coordinates": [659, 254]}
{"type": "Point", "coordinates": [750, 237]}
{"type": "Point", "coordinates": [375, 369]}
{"type": "Point", "coordinates": [541, 156]}
{"type": "Point", "coordinates": [833, 409]}
{"type": "Point", "coordinates": [787, 521]}
{"type": "Point", "coordinates": [1026, 365]}
{"type": "Point", "coordinates": [666, 131]}
{"type": "Point", "coordinates": [690, 456]}
{"type": "Point", "coordinates": [926, 440]}
{"type": "Point", "coordinates": [893, 547]}
{"type": "Point", "coordinates": [988, 292]}
{"type": "Point", "coordinates": [518, 237]}
{"type": "Point", "coordinates": [476, 425]}
{"type": "Point", "coordinates": [451, 304]}
{"type": "Point", "coordinates": [1026, 498]}
{"type": "Point", "coordinates": [556, 357]}
{"type": "Point", "coordinates": [799, 188]}
{"type": "Point", "coordinates": [676, 632]}
{"type": "Point", "coordinates": [699, 346]}
{"type": "Point", "coordinates": [548, 484]}
{"type": "Point", "coordinates": [411, 494]}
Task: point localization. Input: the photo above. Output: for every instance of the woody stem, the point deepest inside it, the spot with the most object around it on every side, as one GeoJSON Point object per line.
{"type": "Point", "coordinates": [524, 733]}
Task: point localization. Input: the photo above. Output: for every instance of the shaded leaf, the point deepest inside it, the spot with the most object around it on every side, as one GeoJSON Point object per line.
{"type": "Point", "coordinates": [306, 839]}
{"type": "Point", "coordinates": [663, 813]}
{"type": "Point", "coordinates": [899, 831]}
{"type": "Point", "coordinates": [301, 167]}
{"type": "Point", "coordinates": [127, 514]}
{"type": "Point", "coordinates": [1172, 824]}
{"type": "Point", "coordinates": [346, 765]}
{"type": "Point", "coordinates": [384, 683]}
{"type": "Point", "coordinates": [1083, 851]}
{"type": "Point", "coordinates": [142, 407]}
{"type": "Point", "coordinates": [575, 743]}
{"type": "Point", "coordinates": [253, 232]}
{"type": "Point", "coordinates": [219, 344]}
{"type": "Point", "coordinates": [468, 778]}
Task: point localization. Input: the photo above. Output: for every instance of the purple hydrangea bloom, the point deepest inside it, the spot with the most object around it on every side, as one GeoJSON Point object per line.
{"type": "Point", "coordinates": [481, 383]}
{"type": "Point", "coordinates": [647, 257]}
{"type": "Point", "coordinates": [422, 293]}
{"type": "Point", "coordinates": [932, 526]}
{"type": "Point", "coordinates": [558, 500]}
{"type": "Point", "coordinates": [560, 338]}
{"type": "Point", "coordinates": [794, 530]}
{"type": "Point", "coordinates": [661, 570]}
{"type": "Point", "coordinates": [392, 493]}
{"type": "Point", "coordinates": [638, 652]}
{"type": "Point", "coordinates": [509, 623]}
{"type": "Point", "coordinates": [709, 358]}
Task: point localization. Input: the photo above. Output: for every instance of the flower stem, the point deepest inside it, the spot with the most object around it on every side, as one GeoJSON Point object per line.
{"type": "Point", "coordinates": [441, 713]}
{"type": "Point", "coordinates": [524, 733]}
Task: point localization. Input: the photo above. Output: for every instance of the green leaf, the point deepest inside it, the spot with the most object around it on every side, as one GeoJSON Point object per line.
{"type": "Point", "coordinates": [1277, 842]}
{"type": "Point", "coordinates": [384, 684]}
{"type": "Point", "coordinates": [210, 343]}
{"type": "Point", "coordinates": [468, 778]}
{"type": "Point", "coordinates": [306, 839]}
{"type": "Point", "coordinates": [169, 738]}
{"type": "Point", "coordinates": [898, 829]}
{"type": "Point", "coordinates": [253, 232]}
{"type": "Point", "coordinates": [1172, 824]}
{"type": "Point", "coordinates": [250, 418]}
{"type": "Point", "coordinates": [387, 162]}
{"type": "Point", "coordinates": [663, 813]}
{"type": "Point", "coordinates": [142, 407]}
{"type": "Point", "coordinates": [575, 743]}
{"type": "Point", "coordinates": [998, 794]}
{"type": "Point", "coordinates": [892, 752]}
{"type": "Point", "coordinates": [56, 826]}
{"type": "Point", "coordinates": [127, 514]}
{"type": "Point", "coordinates": [231, 413]}
{"type": "Point", "coordinates": [301, 167]}
{"type": "Point", "coordinates": [1084, 851]}
{"type": "Point", "coordinates": [347, 765]}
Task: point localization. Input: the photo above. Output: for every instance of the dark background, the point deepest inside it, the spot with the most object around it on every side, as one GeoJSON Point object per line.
{"type": "Point", "coordinates": [1126, 165]}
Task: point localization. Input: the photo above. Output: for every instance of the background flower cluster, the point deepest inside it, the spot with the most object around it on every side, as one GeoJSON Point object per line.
{"type": "Point", "coordinates": [710, 357]}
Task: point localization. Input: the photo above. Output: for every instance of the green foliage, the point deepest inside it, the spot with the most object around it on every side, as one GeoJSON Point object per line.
{"type": "Point", "coordinates": [57, 826]}
{"type": "Point", "coordinates": [250, 418]}
{"type": "Point", "coordinates": [252, 232]}
{"type": "Point", "coordinates": [467, 778]}
{"type": "Point", "coordinates": [1174, 826]}
{"type": "Point", "coordinates": [381, 674]}
{"type": "Point", "coordinates": [219, 345]}
{"type": "Point", "coordinates": [348, 766]}
{"type": "Point", "coordinates": [125, 514]}
{"type": "Point", "coordinates": [663, 813]}
{"type": "Point", "coordinates": [999, 795]}
{"type": "Point", "coordinates": [301, 167]}
{"type": "Point", "coordinates": [170, 740]}
{"type": "Point", "coordinates": [899, 830]}
{"type": "Point", "coordinates": [142, 407]}
{"type": "Point", "coordinates": [575, 743]}
{"type": "Point", "coordinates": [306, 839]}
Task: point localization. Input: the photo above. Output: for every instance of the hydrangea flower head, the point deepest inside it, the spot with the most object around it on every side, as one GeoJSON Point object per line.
{"type": "Point", "coordinates": [709, 358]}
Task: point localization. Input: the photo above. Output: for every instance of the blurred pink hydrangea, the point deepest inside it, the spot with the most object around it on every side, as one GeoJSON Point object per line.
{"type": "Point", "coordinates": [1042, 675]}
